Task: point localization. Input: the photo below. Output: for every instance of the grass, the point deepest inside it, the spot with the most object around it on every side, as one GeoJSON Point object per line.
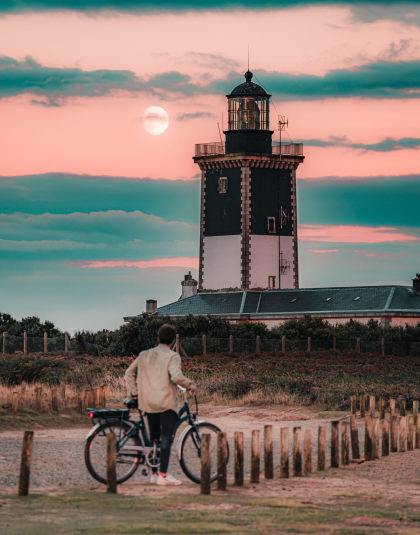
{"type": "Point", "coordinates": [93, 512]}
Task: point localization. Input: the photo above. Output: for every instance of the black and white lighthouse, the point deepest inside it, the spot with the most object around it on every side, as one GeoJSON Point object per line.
{"type": "Point", "coordinates": [248, 223]}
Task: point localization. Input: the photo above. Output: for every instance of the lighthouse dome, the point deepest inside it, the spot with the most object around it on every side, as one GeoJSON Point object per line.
{"type": "Point", "coordinates": [248, 89]}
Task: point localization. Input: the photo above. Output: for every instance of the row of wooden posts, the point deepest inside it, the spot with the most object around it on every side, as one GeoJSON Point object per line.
{"type": "Point", "coordinates": [25, 343]}
{"type": "Point", "coordinates": [367, 404]}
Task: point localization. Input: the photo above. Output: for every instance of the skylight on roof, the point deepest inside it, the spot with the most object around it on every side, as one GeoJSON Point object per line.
{"type": "Point", "coordinates": [328, 299]}
{"type": "Point", "coordinates": [293, 300]}
{"type": "Point", "coordinates": [356, 298]}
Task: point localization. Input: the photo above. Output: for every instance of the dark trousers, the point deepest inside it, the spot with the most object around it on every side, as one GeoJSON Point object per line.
{"type": "Point", "coordinates": [162, 427]}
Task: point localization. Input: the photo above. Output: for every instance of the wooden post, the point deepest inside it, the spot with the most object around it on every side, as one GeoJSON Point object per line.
{"type": "Point", "coordinates": [368, 438]}
{"type": "Point", "coordinates": [403, 433]}
{"type": "Point", "coordinates": [54, 399]}
{"type": "Point", "coordinates": [231, 343]}
{"type": "Point", "coordinates": [283, 344]}
{"type": "Point", "coordinates": [111, 461]}
{"type": "Point", "coordinates": [375, 438]}
{"type": "Point", "coordinates": [15, 401]}
{"type": "Point", "coordinates": [418, 433]}
{"type": "Point", "coordinates": [362, 401]}
{"type": "Point", "coordinates": [345, 443]}
{"type": "Point", "coordinates": [335, 461]}
{"type": "Point", "coordinates": [63, 393]}
{"type": "Point", "coordinates": [97, 395]}
{"type": "Point", "coordinates": [385, 438]}
{"type": "Point", "coordinates": [394, 433]}
{"type": "Point", "coordinates": [410, 430]}
{"type": "Point", "coordinates": [402, 406]}
{"type": "Point", "coordinates": [45, 343]}
{"type": "Point", "coordinates": [307, 451]}
{"type": "Point", "coordinates": [284, 454]}
{"type": "Point", "coordinates": [352, 404]}
{"type": "Point", "coordinates": [383, 346]}
{"type": "Point", "coordinates": [308, 349]}
{"type": "Point", "coordinates": [66, 343]}
{"type": "Point", "coordinates": [381, 408]}
{"type": "Point", "coordinates": [372, 407]}
{"type": "Point", "coordinates": [25, 343]}
{"type": "Point", "coordinates": [25, 463]}
{"type": "Point", "coordinates": [204, 342]}
{"type": "Point", "coordinates": [358, 345]}
{"type": "Point", "coordinates": [354, 430]}
{"type": "Point", "coordinates": [205, 464]}
{"type": "Point", "coordinates": [4, 343]}
{"type": "Point", "coordinates": [415, 410]}
{"type": "Point", "coordinates": [392, 406]}
{"type": "Point", "coordinates": [258, 344]}
{"type": "Point", "coordinates": [221, 461]}
{"type": "Point", "coordinates": [334, 344]}
{"type": "Point", "coordinates": [239, 458]}
{"type": "Point", "coordinates": [177, 343]}
{"type": "Point", "coordinates": [38, 399]}
{"type": "Point", "coordinates": [297, 451]}
{"type": "Point", "coordinates": [102, 389]}
{"type": "Point", "coordinates": [255, 456]}
{"type": "Point", "coordinates": [268, 452]}
{"type": "Point", "coordinates": [322, 430]}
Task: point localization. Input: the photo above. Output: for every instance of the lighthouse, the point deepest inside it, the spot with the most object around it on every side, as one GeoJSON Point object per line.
{"type": "Point", "coordinates": [248, 219]}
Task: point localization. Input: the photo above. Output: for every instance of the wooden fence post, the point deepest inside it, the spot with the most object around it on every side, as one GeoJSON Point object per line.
{"type": "Point", "coordinates": [394, 433]}
{"type": "Point", "coordinates": [354, 431]}
{"type": "Point", "coordinates": [307, 451]}
{"type": "Point", "coordinates": [97, 395]}
{"type": "Point", "coordinates": [358, 345]}
{"type": "Point", "coordinates": [38, 399]}
{"type": "Point", "coordinates": [268, 452]}
{"type": "Point", "coordinates": [410, 430]}
{"type": "Point", "coordinates": [205, 464]}
{"type": "Point", "coordinates": [177, 349]}
{"type": "Point", "coordinates": [335, 462]}
{"type": "Point", "coordinates": [368, 438]}
{"type": "Point", "coordinates": [25, 463]}
{"type": "Point", "coordinates": [345, 443]}
{"type": "Point", "coordinates": [283, 344]}
{"type": "Point", "coordinates": [375, 438]}
{"type": "Point", "coordinates": [321, 446]}
{"type": "Point", "coordinates": [63, 393]}
{"type": "Point", "coordinates": [403, 433]}
{"type": "Point", "coordinates": [255, 456]}
{"type": "Point", "coordinates": [385, 438]}
{"type": "Point", "coordinates": [66, 343]}
{"type": "Point", "coordinates": [372, 405]}
{"type": "Point", "coordinates": [204, 343]}
{"type": "Point", "coordinates": [308, 349]}
{"type": "Point", "coordinates": [25, 343]}
{"type": "Point", "coordinates": [54, 400]}
{"type": "Point", "coordinates": [258, 344]}
{"type": "Point", "coordinates": [297, 451]}
{"type": "Point", "coordinates": [221, 461]}
{"type": "Point", "coordinates": [45, 342]}
{"type": "Point", "coordinates": [284, 453]}
{"type": "Point", "coordinates": [415, 410]}
{"type": "Point", "coordinates": [334, 344]}
{"type": "Point", "coordinates": [418, 433]}
{"type": "Point", "coordinates": [15, 401]}
{"type": "Point", "coordinates": [362, 401]}
{"type": "Point", "coordinates": [4, 343]}
{"type": "Point", "coordinates": [239, 458]}
{"type": "Point", "coordinates": [383, 346]}
{"type": "Point", "coordinates": [352, 404]}
{"type": "Point", "coordinates": [111, 461]}
{"type": "Point", "coordinates": [402, 406]}
{"type": "Point", "coordinates": [381, 408]}
{"type": "Point", "coordinates": [231, 343]}
{"type": "Point", "coordinates": [392, 406]}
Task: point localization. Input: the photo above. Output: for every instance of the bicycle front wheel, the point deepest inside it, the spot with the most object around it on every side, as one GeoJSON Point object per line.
{"type": "Point", "coordinates": [95, 451]}
{"type": "Point", "coordinates": [190, 451]}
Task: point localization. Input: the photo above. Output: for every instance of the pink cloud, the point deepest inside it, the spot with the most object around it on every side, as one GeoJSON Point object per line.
{"type": "Point", "coordinates": [323, 251]}
{"type": "Point", "coordinates": [179, 261]}
{"type": "Point", "coordinates": [352, 234]}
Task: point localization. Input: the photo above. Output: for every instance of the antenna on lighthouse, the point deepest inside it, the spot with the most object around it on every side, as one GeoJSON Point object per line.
{"type": "Point", "coordinates": [283, 124]}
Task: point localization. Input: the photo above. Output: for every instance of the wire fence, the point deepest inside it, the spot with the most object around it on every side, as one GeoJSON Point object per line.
{"type": "Point", "coordinates": [203, 345]}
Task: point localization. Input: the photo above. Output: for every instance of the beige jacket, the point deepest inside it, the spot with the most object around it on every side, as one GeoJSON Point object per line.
{"type": "Point", "coordinates": [154, 376]}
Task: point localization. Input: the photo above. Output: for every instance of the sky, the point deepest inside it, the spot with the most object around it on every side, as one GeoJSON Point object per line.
{"type": "Point", "coordinates": [97, 214]}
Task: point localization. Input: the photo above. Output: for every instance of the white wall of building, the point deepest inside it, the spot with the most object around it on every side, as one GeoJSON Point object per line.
{"type": "Point", "coordinates": [265, 260]}
{"type": "Point", "coordinates": [222, 262]}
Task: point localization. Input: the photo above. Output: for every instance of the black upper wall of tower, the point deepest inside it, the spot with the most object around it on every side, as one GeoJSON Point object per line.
{"type": "Point", "coordinates": [248, 141]}
{"type": "Point", "coordinates": [271, 196]}
{"type": "Point", "coordinates": [222, 210]}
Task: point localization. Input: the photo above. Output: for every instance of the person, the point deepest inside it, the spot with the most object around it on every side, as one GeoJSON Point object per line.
{"type": "Point", "coordinates": [152, 379]}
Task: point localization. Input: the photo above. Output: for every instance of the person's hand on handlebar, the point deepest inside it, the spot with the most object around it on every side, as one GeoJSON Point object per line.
{"type": "Point", "coordinates": [194, 389]}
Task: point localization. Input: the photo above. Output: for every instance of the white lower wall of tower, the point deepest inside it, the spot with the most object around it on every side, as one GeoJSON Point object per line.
{"type": "Point", "coordinates": [222, 262]}
{"type": "Point", "coordinates": [265, 261]}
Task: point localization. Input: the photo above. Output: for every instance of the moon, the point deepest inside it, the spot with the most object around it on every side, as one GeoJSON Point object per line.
{"type": "Point", "coordinates": [155, 120]}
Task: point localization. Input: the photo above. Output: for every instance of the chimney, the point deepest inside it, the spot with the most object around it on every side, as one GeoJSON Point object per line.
{"type": "Point", "coordinates": [189, 286]}
{"type": "Point", "coordinates": [151, 306]}
{"type": "Point", "coordinates": [416, 283]}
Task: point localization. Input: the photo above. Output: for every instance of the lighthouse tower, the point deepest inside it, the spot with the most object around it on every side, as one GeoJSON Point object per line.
{"type": "Point", "coordinates": [248, 223]}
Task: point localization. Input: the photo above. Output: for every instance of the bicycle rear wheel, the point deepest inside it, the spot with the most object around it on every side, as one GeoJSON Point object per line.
{"type": "Point", "coordinates": [95, 451]}
{"type": "Point", "coordinates": [190, 451]}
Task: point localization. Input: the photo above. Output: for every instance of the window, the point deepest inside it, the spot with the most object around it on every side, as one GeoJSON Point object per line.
{"type": "Point", "coordinates": [271, 281]}
{"type": "Point", "coordinates": [222, 184]}
{"type": "Point", "coordinates": [271, 225]}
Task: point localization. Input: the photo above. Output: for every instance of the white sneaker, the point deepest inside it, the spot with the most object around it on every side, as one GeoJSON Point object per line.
{"type": "Point", "coordinates": [154, 478]}
{"type": "Point", "coordinates": [167, 480]}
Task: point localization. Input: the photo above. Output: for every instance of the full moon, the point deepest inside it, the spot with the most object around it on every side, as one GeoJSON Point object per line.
{"type": "Point", "coordinates": [155, 120]}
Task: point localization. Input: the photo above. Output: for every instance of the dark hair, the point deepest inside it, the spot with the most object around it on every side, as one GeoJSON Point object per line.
{"type": "Point", "coordinates": [166, 333]}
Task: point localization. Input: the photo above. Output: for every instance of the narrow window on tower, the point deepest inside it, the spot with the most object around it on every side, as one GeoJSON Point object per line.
{"type": "Point", "coordinates": [222, 184]}
{"type": "Point", "coordinates": [271, 225]}
{"type": "Point", "coordinates": [271, 282]}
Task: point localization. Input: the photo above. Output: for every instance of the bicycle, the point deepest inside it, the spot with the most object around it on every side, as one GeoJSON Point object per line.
{"type": "Point", "coordinates": [134, 447]}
